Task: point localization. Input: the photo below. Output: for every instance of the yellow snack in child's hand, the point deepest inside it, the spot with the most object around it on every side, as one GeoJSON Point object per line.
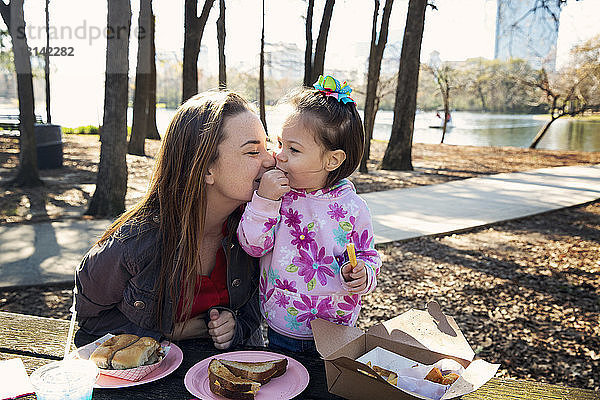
{"type": "Point", "coordinates": [351, 254]}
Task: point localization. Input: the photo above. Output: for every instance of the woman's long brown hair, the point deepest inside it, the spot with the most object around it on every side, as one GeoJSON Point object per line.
{"type": "Point", "coordinates": [177, 193]}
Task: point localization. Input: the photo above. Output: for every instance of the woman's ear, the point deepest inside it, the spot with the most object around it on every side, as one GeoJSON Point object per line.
{"type": "Point", "coordinates": [334, 159]}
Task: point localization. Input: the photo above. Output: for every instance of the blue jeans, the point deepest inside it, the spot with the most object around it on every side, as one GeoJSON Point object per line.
{"type": "Point", "coordinates": [278, 341]}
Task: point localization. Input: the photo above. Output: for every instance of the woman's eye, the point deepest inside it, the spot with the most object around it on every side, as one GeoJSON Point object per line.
{"type": "Point", "coordinates": [254, 153]}
{"type": "Point", "coordinates": [294, 150]}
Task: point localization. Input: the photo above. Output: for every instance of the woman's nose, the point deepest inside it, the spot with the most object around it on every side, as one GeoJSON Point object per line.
{"type": "Point", "coordinates": [280, 156]}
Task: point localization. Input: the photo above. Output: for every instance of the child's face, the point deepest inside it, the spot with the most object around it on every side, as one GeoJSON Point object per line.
{"type": "Point", "coordinates": [301, 158]}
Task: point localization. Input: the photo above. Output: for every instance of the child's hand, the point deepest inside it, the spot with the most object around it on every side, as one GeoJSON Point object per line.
{"type": "Point", "coordinates": [273, 184]}
{"type": "Point", "coordinates": [356, 278]}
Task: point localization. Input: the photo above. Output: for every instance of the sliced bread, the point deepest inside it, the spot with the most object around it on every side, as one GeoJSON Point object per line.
{"type": "Point", "coordinates": [227, 380]}
{"type": "Point", "coordinates": [261, 372]}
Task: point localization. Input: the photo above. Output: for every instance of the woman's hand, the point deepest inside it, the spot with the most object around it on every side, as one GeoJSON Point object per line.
{"type": "Point", "coordinates": [193, 328]}
{"type": "Point", "coordinates": [221, 328]}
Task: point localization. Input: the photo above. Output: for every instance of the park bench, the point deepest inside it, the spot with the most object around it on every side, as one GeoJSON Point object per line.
{"type": "Point", "coordinates": [38, 340]}
{"type": "Point", "coordinates": [49, 145]}
{"type": "Point", "coordinates": [10, 122]}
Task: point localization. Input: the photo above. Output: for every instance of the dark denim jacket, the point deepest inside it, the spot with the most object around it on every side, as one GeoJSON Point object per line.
{"type": "Point", "coordinates": [114, 286]}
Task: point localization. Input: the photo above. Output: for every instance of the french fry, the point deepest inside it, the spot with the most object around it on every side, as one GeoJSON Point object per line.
{"type": "Point", "coordinates": [351, 254]}
{"type": "Point", "coordinates": [389, 376]}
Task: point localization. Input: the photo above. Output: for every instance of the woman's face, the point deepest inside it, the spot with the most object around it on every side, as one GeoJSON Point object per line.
{"type": "Point", "coordinates": [243, 158]}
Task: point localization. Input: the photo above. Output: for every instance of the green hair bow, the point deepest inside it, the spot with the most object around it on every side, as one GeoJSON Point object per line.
{"type": "Point", "coordinates": [330, 86]}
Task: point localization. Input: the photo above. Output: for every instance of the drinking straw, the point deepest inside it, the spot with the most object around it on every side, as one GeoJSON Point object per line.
{"type": "Point", "coordinates": [351, 254]}
{"type": "Point", "coordinates": [71, 328]}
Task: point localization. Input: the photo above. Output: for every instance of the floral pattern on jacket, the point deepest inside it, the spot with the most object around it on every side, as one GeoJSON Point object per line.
{"type": "Point", "coordinates": [301, 240]}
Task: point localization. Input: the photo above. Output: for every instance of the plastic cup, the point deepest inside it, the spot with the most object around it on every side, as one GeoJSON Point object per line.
{"type": "Point", "coordinates": [65, 380]}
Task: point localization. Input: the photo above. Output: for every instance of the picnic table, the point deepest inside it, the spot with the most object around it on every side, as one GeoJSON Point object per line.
{"type": "Point", "coordinates": [38, 340]}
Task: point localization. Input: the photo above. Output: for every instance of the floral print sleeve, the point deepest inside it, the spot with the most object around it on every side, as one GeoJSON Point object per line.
{"type": "Point", "coordinates": [364, 243]}
{"type": "Point", "coordinates": [256, 231]}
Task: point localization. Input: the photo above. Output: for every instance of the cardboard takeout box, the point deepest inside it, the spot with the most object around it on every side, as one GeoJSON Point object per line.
{"type": "Point", "coordinates": [423, 336]}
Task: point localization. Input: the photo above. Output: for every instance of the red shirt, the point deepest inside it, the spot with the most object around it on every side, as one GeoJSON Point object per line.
{"type": "Point", "coordinates": [211, 290]}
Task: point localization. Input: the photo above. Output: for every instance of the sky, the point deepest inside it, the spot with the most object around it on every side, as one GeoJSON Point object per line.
{"type": "Point", "coordinates": [458, 29]}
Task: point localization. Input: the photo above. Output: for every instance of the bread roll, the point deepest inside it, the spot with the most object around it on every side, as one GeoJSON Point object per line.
{"type": "Point", "coordinates": [136, 354]}
{"type": "Point", "coordinates": [103, 353]}
{"type": "Point", "coordinates": [125, 351]}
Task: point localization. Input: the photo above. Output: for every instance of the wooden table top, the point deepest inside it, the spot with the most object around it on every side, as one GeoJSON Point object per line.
{"type": "Point", "coordinates": [38, 340]}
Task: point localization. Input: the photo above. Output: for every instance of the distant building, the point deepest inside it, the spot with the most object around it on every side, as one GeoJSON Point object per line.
{"type": "Point", "coordinates": [436, 61]}
{"type": "Point", "coordinates": [391, 58]}
{"type": "Point", "coordinates": [284, 60]}
{"type": "Point", "coordinates": [522, 33]}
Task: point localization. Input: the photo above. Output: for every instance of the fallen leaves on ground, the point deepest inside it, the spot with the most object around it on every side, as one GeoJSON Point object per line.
{"type": "Point", "coordinates": [525, 293]}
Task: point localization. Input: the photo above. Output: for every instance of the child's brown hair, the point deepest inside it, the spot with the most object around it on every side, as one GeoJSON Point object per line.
{"type": "Point", "coordinates": [337, 126]}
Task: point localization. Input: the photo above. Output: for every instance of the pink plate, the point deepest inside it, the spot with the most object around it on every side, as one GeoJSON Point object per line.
{"type": "Point", "coordinates": [288, 385]}
{"type": "Point", "coordinates": [168, 365]}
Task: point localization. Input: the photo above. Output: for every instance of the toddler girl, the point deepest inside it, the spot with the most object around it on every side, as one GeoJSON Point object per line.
{"type": "Point", "coordinates": [303, 215]}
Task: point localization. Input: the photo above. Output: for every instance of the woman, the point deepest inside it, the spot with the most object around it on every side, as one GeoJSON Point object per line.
{"type": "Point", "coordinates": [172, 266]}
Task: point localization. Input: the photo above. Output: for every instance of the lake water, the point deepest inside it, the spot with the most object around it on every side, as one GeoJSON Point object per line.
{"type": "Point", "coordinates": [474, 129]}
{"type": "Point", "coordinates": [485, 129]}
{"type": "Point", "coordinates": [468, 128]}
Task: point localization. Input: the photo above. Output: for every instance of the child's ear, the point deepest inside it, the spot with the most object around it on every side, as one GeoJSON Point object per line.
{"type": "Point", "coordinates": [334, 159]}
{"type": "Point", "coordinates": [209, 178]}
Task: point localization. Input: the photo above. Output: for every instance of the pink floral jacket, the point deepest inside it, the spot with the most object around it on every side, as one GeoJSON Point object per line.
{"type": "Point", "coordinates": [301, 240]}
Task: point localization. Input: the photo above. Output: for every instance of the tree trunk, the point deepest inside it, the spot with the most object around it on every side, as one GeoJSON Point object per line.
{"type": "Point", "coordinates": [109, 197]}
{"type": "Point", "coordinates": [308, 50]}
{"type": "Point", "coordinates": [319, 62]}
{"type": "Point", "coordinates": [482, 98]}
{"type": "Point", "coordinates": [371, 92]}
{"type": "Point", "coordinates": [191, 48]}
{"type": "Point", "coordinates": [446, 96]}
{"type": "Point", "coordinates": [375, 57]}
{"type": "Point", "coordinates": [14, 18]}
{"type": "Point", "coordinates": [152, 130]}
{"type": "Point", "coordinates": [221, 43]}
{"type": "Point", "coordinates": [261, 73]}
{"type": "Point", "coordinates": [141, 99]}
{"type": "Point", "coordinates": [398, 155]}
{"type": "Point", "coordinates": [193, 31]}
{"type": "Point", "coordinates": [543, 131]}
{"type": "Point", "coordinates": [47, 65]}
